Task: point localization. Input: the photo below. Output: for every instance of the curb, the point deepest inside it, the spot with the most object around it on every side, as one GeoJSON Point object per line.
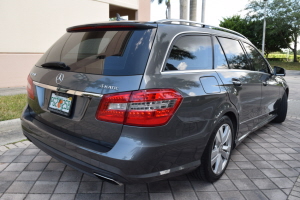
{"type": "Point", "coordinates": [12, 91]}
{"type": "Point", "coordinates": [10, 131]}
{"type": "Point", "coordinates": [8, 124]}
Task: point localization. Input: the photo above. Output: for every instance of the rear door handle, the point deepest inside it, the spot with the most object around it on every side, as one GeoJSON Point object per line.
{"type": "Point", "coordinates": [236, 82]}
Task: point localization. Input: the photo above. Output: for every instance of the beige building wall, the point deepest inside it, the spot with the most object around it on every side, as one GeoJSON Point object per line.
{"type": "Point", "coordinates": [34, 25]}
{"type": "Point", "coordinates": [15, 69]}
{"type": "Point", "coordinates": [132, 4]}
{"type": "Point", "coordinates": [143, 13]}
{"type": "Point", "coordinates": [30, 27]}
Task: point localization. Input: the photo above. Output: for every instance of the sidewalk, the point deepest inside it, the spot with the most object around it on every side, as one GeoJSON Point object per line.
{"type": "Point", "coordinates": [12, 91]}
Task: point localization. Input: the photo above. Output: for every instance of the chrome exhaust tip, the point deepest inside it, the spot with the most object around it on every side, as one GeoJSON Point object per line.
{"type": "Point", "coordinates": [110, 180]}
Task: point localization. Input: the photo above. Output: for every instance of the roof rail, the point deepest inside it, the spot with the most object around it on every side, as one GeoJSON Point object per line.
{"type": "Point", "coordinates": [193, 23]}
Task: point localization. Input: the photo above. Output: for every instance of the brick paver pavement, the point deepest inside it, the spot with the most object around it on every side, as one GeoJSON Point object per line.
{"type": "Point", "coordinates": [265, 166]}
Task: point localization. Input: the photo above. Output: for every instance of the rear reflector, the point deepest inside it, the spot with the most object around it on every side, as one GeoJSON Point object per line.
{"type": "Point", "coordinates": [153, 107]}
{"type": "Point", "coordinates": [30, 88]}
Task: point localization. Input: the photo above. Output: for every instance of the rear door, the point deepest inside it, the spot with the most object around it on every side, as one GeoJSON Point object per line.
{"type": "Point", "coordinates": [79, 68]}
{"type": "Point", "coordinates": [242, 83]}
{"type": "Point", "coordinates": [270, 87]}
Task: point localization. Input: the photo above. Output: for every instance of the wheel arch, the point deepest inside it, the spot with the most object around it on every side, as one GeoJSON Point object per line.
{"type": "Point", "coordinates": [234, 121]}
{"type": "Point", "coordinates": [287, 92]}
{"type": "Point", "coordinates": [204, 170]}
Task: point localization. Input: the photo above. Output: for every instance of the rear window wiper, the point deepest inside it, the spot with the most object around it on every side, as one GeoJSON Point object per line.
{"type": "Point", "coordinates": [56, 65]}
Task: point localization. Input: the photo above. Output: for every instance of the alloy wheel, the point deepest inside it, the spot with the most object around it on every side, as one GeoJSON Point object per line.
{"type": "Point", "coordinates": [221, 149]}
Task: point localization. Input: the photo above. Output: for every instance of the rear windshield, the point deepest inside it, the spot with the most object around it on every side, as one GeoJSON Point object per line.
{"type": "Point", "coordinates": [102, 52]}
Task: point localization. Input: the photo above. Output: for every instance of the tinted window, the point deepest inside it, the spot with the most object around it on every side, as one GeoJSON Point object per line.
{"type": "Point", "coordinates": [234, 53]}
{"type": "Point", "coordinates": [219, 56]}
{"type": "Point", "coordinates": [190, 53]}
{"type": "Point", "coordinates": [256, 58]}
{"type": "Point", "coordinates": [103, 52]}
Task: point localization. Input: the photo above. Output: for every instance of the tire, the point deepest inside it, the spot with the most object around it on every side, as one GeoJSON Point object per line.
{"type": "Point", "coordinates": [217, 153]}
{"type": "Point", "coordinates": [282, 110]}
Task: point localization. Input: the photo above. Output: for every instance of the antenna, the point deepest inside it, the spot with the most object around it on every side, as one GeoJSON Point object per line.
{"type": "Point", "coordinates": [119, 17]}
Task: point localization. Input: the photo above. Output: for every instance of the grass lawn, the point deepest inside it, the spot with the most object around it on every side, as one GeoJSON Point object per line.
{"type": "Point", "coordinates": [11, 107]}
{"type": "Point", "coordinates": [284, 56]}
{"type": "Point", "coordinates": [286, 65]}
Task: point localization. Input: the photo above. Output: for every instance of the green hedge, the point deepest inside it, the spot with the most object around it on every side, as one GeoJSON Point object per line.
{"type": "Point", "coordinates": [277, 59]}
{"type": "Point", "coordinates": [282, 56]}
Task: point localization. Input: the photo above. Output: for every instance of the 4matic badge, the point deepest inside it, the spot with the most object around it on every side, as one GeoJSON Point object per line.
{"type": "Point", "coordinates": [111, 87]}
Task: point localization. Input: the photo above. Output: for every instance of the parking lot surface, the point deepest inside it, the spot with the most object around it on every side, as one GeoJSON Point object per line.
{"type": "Point", "coordinates": [265, 166]}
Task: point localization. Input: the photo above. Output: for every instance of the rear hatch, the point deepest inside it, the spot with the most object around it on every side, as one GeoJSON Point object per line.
{"type": "Point", "coordinates": [70, 79]}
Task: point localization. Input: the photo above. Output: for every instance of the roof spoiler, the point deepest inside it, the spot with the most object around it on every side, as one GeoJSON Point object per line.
{"type": "Point", "coordinates": [111, 26]}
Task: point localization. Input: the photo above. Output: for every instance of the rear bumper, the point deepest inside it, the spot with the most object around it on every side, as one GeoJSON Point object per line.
{"type": "Point", "coordinates": [128, 161]}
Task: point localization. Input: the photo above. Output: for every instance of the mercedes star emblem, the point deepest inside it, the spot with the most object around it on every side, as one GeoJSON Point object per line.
{"type": "Point", "coordinates": [60, 78]}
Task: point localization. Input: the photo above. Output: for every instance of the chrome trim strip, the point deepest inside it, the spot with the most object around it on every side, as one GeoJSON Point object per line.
{"type": "Point", "coordinates": [87, 94]}
{"type": "Point", "coordinates": [182, 33]}
{"type": "Point", "coordinates": [188, 71]}
{"type": "Point", "coordinates": [209, 70]}
{"type": "Point", "coordinates": [255, 128]}
{"type": "Point", "coordinates": [244, 136]}
{"type": "Point", "coordinates": [175, 36]}
{"type": "Point", "coordinates": [65, 90]}
{"type": "Point", "coordinates": [252, 119]}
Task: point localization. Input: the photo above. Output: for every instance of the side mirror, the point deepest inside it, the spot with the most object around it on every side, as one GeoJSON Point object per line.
{"type": "Point", "coordinates": [279, 71]}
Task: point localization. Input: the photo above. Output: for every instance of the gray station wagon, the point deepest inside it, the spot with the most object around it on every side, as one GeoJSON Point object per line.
{"type": "Point", "coordinates": [145, 101]}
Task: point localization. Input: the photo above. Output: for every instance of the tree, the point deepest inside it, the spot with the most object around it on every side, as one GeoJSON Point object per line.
{"type": "Point", "coordinates": [183, 9]}
{"type": "Point", "coordinates": [180, 54]}
{"type": "Point", "coordinates": [237, 24]}
{"type": "Point", "coordinates": [168, 9]}
{"type": "Point", "coordinates": [193, 10]}
{"type": "Point", "coordinates": [253, 30]}
{"type": "Point", "coordinates": [285, 16]}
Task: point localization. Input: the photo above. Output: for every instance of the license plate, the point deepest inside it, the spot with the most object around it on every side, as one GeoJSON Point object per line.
{"type": "Point", "coordinates": [60, 103]}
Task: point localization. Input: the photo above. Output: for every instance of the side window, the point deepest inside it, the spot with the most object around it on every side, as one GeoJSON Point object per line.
{"type": "Point", "coordinates": [190, 53]}
{"type": "Point", "coordinates": [256, 58]}
{"type": "Point", "coordinates": [235, 55]}
{"type": "Point", "coordinates": [219, 56]}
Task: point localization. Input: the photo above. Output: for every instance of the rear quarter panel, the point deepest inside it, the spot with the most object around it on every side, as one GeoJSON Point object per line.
{"type": "Point", "coordinates": [191, 126]}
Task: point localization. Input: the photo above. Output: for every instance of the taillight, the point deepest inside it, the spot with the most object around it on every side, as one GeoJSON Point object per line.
{"type": "Point", "coordinates": [152, 107]}
{"type": "Point", "coordinates": [149, 108]}
{"type": "Point", "coordinates": [112, 107]}
{"type": "Point", "coordinates": [30, 88]}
